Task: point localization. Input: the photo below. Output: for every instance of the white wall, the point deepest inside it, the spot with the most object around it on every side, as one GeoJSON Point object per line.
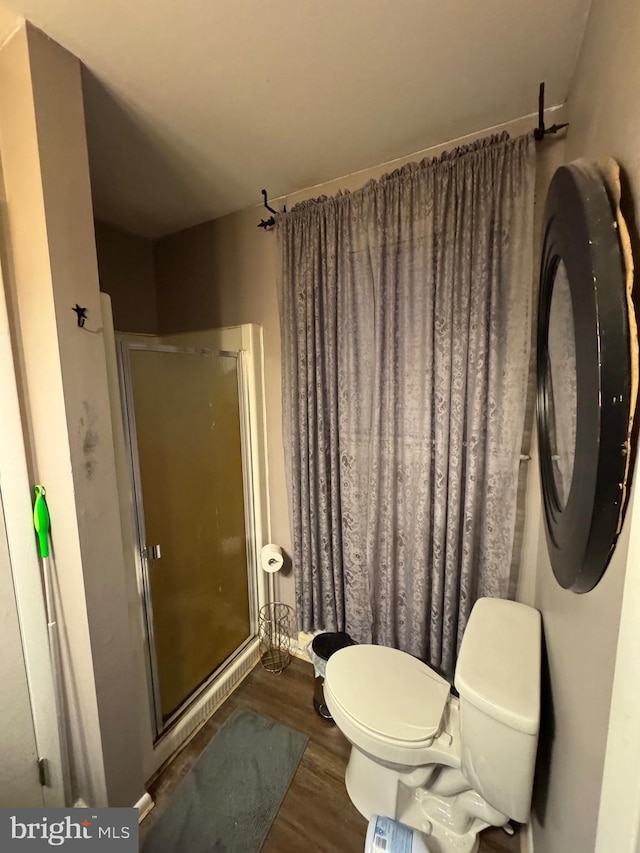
{"type": "Point", "coordinates": [581, 630]}
{"type": "Point", "coordinates": [550, 155]}
{"type": "Point", "coordinates": [580, 639]}
{"type": "Point", "coordinates": [27, 586]}
{"type": "Point", "coordinates": [50, 263]}
{"type": "Point", "coordinates": [18, 778]}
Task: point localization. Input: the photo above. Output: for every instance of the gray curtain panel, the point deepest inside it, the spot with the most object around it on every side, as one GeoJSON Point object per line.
{"type": "Point", "coordinates": [405, 310]}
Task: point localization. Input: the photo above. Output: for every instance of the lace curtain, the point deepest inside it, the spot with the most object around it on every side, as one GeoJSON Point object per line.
{"type": "Point", "coordinates": [405, 312]}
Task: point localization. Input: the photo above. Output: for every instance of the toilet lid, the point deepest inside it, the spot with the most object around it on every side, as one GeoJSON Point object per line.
{"type": "Point", "coordinates": [388, 691]}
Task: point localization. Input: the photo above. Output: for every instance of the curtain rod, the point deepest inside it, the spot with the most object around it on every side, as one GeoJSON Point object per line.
{"type": "Point", "coordinates": [538, 134]}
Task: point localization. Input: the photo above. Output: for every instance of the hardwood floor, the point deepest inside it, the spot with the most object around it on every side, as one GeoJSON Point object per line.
{"type": "Point", "coordinates": [316, 814]}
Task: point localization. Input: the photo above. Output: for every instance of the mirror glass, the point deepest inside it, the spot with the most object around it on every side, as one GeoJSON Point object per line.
{"type": "Point", "coordinates": [562, 389]}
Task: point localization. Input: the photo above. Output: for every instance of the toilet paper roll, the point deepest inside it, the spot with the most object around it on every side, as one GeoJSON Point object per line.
{"type": "Point", "coordinates": [271, 558]}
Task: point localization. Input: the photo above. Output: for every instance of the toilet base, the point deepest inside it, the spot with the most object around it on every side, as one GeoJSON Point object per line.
{"type": "Point", "coordinates": [372, 788]}
{"type": "Point", "coordinates": [435, 800]}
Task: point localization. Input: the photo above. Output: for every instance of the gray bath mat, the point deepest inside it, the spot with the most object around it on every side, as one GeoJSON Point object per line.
{"type": "Point", "coordinates": [230, 797]}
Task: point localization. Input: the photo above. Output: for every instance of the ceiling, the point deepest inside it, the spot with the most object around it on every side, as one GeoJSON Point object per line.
{"type": "Point", "coordinates": [194, 105]}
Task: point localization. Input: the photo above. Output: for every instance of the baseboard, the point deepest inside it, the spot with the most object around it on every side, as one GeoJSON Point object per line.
{"type": "Point", "coordinates": [144, 806]}
{"type": "Point", "coordinates": [526, 839]}
{"type": "Point", "coordinates": [300, 643]}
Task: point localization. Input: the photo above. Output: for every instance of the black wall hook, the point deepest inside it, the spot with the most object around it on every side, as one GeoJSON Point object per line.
{"type": "Point", "coordinates": [270, 222]}
{"type": "Point", "coordinates": [82, 314]}
{"type": "Point", "coordinates": [541, 131]}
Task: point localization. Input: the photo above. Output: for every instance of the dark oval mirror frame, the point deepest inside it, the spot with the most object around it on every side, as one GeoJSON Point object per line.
{"type": "Point", "coordinates": [581, 229]}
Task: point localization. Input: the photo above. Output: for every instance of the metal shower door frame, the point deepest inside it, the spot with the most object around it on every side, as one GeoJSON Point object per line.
{"type": "Point", "coordinates": [142, 558]}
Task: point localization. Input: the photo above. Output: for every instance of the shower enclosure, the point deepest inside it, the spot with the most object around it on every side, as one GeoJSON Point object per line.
{"type": "Point", "coordinates": [188, 430]}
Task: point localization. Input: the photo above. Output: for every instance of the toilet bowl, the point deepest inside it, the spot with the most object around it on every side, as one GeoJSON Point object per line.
{"type": "Point", "coordinates": [445, 766]}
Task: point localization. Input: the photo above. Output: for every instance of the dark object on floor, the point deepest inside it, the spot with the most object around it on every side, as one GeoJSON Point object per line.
{"type": "Point", "coordinates": [229, 799]}
{"type": "Point", "coordinates": [324, 645]}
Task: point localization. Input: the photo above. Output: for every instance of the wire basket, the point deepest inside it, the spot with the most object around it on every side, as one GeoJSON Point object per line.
{"type": "Point", "coordinates": [275, 626]}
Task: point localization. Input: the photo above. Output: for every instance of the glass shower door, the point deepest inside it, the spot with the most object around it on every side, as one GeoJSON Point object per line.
{"type": "Point", "coordinates": [185, 417]}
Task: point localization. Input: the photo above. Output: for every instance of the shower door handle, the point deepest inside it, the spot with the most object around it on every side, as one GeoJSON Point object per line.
{"type": "Point", "coordinates": [153, 552]}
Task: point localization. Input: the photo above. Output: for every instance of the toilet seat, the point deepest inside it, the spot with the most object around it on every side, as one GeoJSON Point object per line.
{"type": "Point", "coordinates": [388, 694]}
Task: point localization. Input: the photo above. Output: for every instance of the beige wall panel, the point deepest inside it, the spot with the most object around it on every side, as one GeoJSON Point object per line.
{"type": "Point", "coordinates": [125, 267]}
{"type": "Point", "coordinates": [49, 254]}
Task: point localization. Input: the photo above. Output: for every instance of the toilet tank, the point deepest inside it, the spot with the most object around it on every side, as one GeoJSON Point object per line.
{"type": "Point", "coordinates": [498, 679]}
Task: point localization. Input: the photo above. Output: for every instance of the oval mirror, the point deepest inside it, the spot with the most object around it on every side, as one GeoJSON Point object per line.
{"type": "Point", "coordinates": [587, 371]}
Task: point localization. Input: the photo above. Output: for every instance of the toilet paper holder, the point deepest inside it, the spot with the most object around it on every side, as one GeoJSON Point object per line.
{"type": "Point", "coordinates": [276, 620]}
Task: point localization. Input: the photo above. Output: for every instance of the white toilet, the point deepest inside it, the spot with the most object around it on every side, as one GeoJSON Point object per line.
{"type": "Point", "coordinates": [448, 767]}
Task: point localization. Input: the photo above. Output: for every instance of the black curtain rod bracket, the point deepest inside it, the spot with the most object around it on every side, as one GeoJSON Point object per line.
{"type": "Point", "coordinates": [270, 222]}
{"type": "Point", "coordinates": [541, 131]}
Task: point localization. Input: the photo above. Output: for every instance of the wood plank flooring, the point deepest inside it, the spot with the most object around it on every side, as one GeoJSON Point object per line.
{"type": "Point", "coordinates": [316, 814]}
